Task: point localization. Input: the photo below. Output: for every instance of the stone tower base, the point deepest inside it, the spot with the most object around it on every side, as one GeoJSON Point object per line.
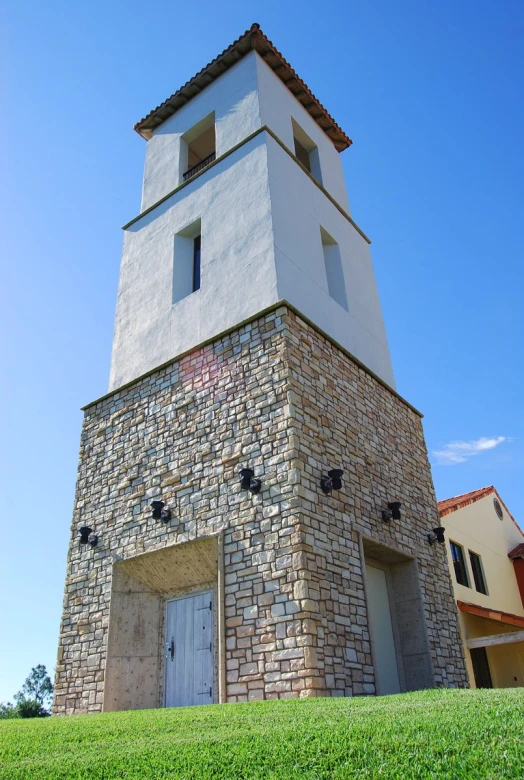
{"type": "Point", "coordinates": [287, 569]}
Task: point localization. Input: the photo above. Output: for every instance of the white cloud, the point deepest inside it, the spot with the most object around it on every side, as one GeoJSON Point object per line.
{"type": "Point", "coordinates": [460, 451]}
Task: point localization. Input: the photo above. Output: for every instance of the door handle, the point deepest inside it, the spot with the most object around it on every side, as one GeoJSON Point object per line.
{"type": "Point", "coordinates": [170, 649]}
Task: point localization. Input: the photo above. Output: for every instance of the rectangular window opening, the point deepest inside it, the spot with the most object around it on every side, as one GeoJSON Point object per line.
{"type": "Point", "coordinates": [187, 261]}
{"type": "Point", "coordinates": [478, 573]}
{"type": "Point", "coordinates": [302, 155]}
{"type": "Point", "coordinates": [459, 564]}
{"type": "Point", "coordinates": [334, 270]}
{"type": "Point", "coordinates": [306, 151]}
{"type": "Point", "coordinates": [196, 263]}
{"type": "Point", "coordinates": [198, 147]}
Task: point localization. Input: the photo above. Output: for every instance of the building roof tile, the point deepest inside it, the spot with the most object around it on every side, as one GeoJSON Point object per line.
{"type": "Point", "coordinates": [449, 505]}
{"type": "Point", "coordinates": [491, 614]}
{"type": "Point", "coordinates": [517, 552]}
{"type": "Point", "coordinates": [457, 502]}
{"type": "Point", "coordinates": [252, 39]}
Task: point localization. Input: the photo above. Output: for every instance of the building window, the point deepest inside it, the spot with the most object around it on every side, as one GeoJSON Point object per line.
{"type": "Point", "coordinates": [198, 147]}
{"type": "Point", "coordinates": [196, 264]}
{"type": "Point", "coordinates": [334, 270]}
{"type": "Point", "coordinates": [459, 564]}
{"type": "Point", "coordinates": [478, 573]}
{"type": "Point", "coordinates": [306, 151]}
{"type": "Point", "coordinates": [187, 261]}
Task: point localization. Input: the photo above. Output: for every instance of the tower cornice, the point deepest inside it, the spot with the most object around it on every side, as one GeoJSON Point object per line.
{"type": "Point", "coordinates": [218, 160]}
{"type": "Point", "coordinates": [280, 306]}
{"type": "Point", "coordinates": [252, 40]}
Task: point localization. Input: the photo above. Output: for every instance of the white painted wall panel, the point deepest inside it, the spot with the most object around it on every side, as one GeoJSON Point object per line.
{"type": "Point", "coordinates": [238, 276]}
{"type": "Point", "coordinates": [234, 99]}
{"type": "Point", "coordinates": [299, 209]}
{"type": "Point", "coordinates": [261, 216]}
{"type": "Point", "coordinates": [277, 107]}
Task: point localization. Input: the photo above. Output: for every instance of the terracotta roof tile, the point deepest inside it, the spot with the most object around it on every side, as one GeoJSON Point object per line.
{"type": "Point", "coordinates": [449, 505]}
{"type": "Point", "coordinates": [252, 39]}
{"type": "Point", "coordinates": [457, 502]}
{"type": "Point", "coordinates": [517, 552]}
{"type": "Point", "coordinates": [491, 614]}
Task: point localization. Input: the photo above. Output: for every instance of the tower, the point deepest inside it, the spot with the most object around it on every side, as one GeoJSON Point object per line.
{"type": "Point", "coordinates": [225, 555]}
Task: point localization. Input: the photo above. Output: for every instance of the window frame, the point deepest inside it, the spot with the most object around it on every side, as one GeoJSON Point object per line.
{"type": "Point", "coordinates": [186, 169]}
{"type": "Point", "coordinates": [197, 243]}
{"type": "Point", "coordinates": [459, 563]}
{"type": "Point", "coordinates": [307, 145]}
{"type": "Point", "coordinates": [334, 268]}
{"type": "Point", "coordinates": [187, 262]}
{"type": "Point", "coordinates": [477, 569]}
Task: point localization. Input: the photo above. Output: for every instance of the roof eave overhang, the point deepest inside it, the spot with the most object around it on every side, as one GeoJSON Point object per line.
{"type": "Point", "coordinates": [517, 552]}
{"type": "Point", "coordinates": [252, 40]}
{"type": "Point", "coordinates": [491, 614]}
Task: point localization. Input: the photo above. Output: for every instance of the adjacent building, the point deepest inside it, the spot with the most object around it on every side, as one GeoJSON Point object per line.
{"type": "Point", "coordinates": [254, 497]}
{"type": "Point", "coordinates": [485, 551]}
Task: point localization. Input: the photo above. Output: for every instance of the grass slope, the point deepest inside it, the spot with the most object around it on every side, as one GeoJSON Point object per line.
{"type": "Point", "coordinates": [429, 734]}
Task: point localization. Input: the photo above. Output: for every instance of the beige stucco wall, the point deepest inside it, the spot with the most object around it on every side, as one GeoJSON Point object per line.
{"type": "Point", "coordinates": [478, 528]}
{"type": "Point", "coordinates": [506, 662]}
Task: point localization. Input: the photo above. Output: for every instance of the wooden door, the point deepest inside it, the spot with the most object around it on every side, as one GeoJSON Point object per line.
{"type": "Point", "coordinates": [479, 659]}
{"type": "Point", "coordinates": [386, 669]}
{"type": "Point", "coordinates": [189, 651]}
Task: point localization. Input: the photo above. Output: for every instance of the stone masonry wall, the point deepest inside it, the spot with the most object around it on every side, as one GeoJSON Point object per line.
{"type": "Point", "coordinates": [182, 434]}
{"type": "Point", "coordinates": [341, 417]}
{"type": "Point", "coordinates": [276, 396]}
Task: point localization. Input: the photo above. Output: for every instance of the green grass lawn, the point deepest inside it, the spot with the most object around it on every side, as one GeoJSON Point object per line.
{"type": "Point", "coordinates": [437, 734]}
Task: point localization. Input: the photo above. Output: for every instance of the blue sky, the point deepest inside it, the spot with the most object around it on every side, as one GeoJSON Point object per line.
{"type": "Point", "coordinates": [430, 93]}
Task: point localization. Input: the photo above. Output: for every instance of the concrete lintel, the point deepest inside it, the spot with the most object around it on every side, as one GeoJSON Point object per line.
{"type": "Point", "coordinates": [495, 639]}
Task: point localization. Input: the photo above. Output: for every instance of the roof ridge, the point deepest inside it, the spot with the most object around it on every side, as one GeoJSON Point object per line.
{"type": "Point", "coordinates": [449, 505]}
{"type": "Point", "coordinates": [154, 118]}
{"type": "Point", "coordinates": [463, 495]}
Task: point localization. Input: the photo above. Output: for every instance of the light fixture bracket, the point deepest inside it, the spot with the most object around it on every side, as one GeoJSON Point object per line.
{"type": "Point", "coordinates": [165, 515]}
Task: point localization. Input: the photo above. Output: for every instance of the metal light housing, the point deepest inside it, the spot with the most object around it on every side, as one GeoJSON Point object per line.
{"type": "Point", "coordinates": [333, 481]}
{"type": "Point", "coordinates": [437, 535]}
{"type": "Point", "coordinates": [159, 512]}
{"type": "Point", "coordinates": [394, 506]}
{"type": "Point", "coordinates": [87, 536]}
{"type": "Point", "coordinates": [392, 512]}
{"type": "Point", "coordinates": [248, 481]}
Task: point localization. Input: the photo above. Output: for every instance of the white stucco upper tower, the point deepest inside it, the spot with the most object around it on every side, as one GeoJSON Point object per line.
{"type": "Point", "coordinates": [244, 205]}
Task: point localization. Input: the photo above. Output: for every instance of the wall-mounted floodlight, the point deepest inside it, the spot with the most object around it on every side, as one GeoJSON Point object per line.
{"type": "Point", "coordinates": [392, 512]}
{"type": "Point", "coordinates": [437, 535]}
{"type": "Point", "coordinates": [160, 511]}
{"type": "Point", "coordinates": [333, 481]}
{"type": "Point", "coordinates": [87, 536]}
{"type": "Point", "coordinates": [248, 481]}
